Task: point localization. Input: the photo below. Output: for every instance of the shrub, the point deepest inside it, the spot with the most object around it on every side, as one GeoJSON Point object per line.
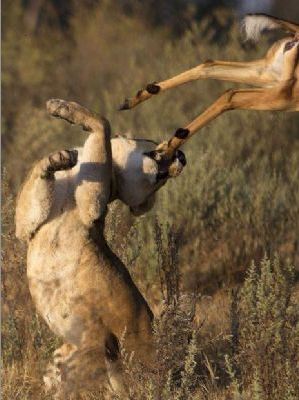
{"type": "Point", "coordinates": [173, 374]}
{"type": "Point", "coordinates": [266, 331]}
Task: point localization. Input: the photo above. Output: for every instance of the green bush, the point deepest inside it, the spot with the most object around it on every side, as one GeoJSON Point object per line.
{"type": "Point", "coordinates": [265, 323]}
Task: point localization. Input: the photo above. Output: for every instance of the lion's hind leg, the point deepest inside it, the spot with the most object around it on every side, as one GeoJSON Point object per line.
{"type": "Point", "coordinates": [83, 370]}
{"type": "Point", "coordinates": [52, 378]}
{"type": "Point", "coordinates": [94, 366]}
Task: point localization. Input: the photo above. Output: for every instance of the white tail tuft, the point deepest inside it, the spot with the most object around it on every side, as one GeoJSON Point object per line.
{"type": "Point", "coordinates": [253, 25]}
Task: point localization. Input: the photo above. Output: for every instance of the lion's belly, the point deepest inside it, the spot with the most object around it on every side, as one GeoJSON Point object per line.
{"type": "Point", "coordinates": [52, 266]}
{"type": "Point", "coordinates": [77, 288]}
{"type": "Point", "coordinates": [54, 305]}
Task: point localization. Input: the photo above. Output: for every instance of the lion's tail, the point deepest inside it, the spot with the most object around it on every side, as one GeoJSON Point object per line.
{"type": "Point", "coordinates": [254, 24]}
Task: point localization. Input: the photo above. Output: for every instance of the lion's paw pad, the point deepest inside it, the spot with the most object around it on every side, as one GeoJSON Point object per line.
{"type": "Point", "coordinates": [63, 160]}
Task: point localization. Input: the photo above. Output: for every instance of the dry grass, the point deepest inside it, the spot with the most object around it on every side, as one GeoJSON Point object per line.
{"type": "Point", "coordinates": [237, 199]}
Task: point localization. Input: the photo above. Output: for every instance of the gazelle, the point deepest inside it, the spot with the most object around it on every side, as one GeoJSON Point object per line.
{"type": "Point", "coordinates": [275, 78]}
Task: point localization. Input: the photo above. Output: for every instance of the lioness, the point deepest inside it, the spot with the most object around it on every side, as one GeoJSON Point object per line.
{"type": "Point", "coordinates": [79, 286]}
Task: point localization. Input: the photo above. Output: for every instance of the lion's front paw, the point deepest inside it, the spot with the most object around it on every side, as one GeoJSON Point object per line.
{"type": "Point", "coordinates": [76, 114]}
{"type": "Point", "coordinates": [61, 160]}
{"type": "Point", "coordinates": [64, 159]}
{"type": "Point", "coordinates": [65, 109]}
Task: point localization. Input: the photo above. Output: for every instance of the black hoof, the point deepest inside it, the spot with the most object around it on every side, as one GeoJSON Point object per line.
{"type": "Point", "coordinates": [152, 88]}
{"type": "Point", "coordinates": [181, 133]}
